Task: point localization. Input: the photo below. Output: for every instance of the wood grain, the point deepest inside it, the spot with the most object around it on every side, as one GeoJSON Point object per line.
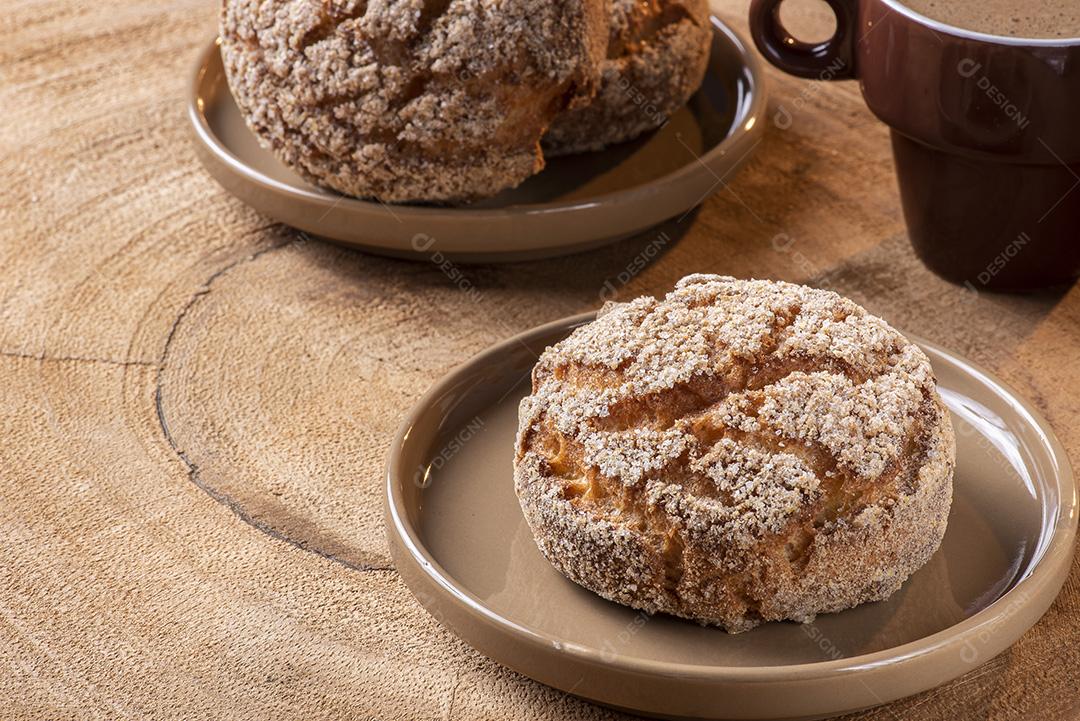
{"type": "Point", "coordinates": [197, 401]}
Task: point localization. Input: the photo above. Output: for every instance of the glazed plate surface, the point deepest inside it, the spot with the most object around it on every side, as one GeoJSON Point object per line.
{"type": "Point", "coordinates": [576, 202]}
{"type": "Point", "coordinates": [461, 543]}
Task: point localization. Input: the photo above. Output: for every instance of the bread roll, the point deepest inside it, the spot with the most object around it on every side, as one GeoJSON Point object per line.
{"type": "Point", "coordinates": [410, 100]}
{"type": "Point", "coordinates": [657, 54]}
{"type": "Point", "coordinates": [738, 452]}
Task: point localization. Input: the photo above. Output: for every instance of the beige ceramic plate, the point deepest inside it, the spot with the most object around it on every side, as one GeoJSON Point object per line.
{"type": "Point", "coordinates": [575, 203]}
{"type": "Point", "coordinates": [460, 542]}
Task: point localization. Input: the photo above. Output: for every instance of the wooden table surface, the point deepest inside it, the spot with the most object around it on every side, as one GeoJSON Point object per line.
{"type": "Point", "coordinates": [196, 401]}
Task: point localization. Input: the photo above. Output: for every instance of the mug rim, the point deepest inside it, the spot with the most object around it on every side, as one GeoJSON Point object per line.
{"type": "Point", "coordinates": [938, 25]}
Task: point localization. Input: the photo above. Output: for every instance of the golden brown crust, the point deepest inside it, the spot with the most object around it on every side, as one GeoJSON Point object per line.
{"type": "Point", "coordinates": [410, 100]}
{"type": "Point", "coordinates": [738, 452]}
{"type": "Point", "coordinates": [658, 51]}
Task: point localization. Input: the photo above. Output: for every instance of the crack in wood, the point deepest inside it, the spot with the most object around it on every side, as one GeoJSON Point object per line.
{"type": "Point", "coordinates": [47, 358]}
{"type": "Point", "coordinates": [453, 696]}
{"type": "Point", "coordinates": [191, 467]}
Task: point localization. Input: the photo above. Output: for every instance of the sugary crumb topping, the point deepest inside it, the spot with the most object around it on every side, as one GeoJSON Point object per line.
{"type": "Point", "coordinates": [753, 389]}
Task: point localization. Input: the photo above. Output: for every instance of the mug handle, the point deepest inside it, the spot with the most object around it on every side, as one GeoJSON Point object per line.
{"type": "Point", "coordinates": [830, 60]}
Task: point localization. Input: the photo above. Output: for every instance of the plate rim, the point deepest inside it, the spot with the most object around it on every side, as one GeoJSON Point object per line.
{"type": "Point", "coordinates": [748, 123]}
{"type": "Point", "coordinates": [1037, 589]}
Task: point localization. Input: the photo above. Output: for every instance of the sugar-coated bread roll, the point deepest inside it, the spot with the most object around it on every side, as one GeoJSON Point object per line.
{"type": "Point", "coordinates": [411, 100]}
{"type": "Point", "coordinates": [657, 54]}
{"type": "Point", "coordinates": [737, 452]}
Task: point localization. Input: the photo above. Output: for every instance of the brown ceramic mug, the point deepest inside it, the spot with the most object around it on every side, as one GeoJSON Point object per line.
{"type": "Point", "coordinates": [985, 134]}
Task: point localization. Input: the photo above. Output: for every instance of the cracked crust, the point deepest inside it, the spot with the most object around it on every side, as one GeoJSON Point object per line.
{"type": "Point", "coordinates": [657, 55]}
{"type": "Point", "coordinates": [738, 452]}
{"type": "Point", "coordinates": [410, 100]}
